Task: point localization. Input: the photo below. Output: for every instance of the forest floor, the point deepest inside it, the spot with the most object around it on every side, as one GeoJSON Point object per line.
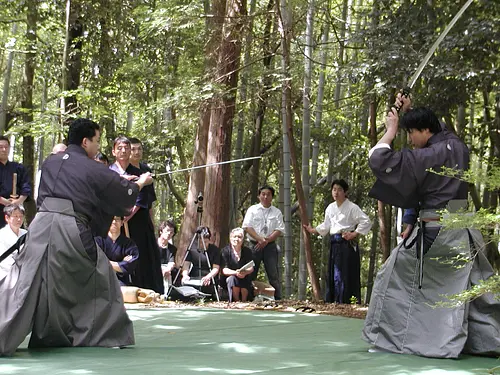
{"type": "Point", "coordinates": [349, 311]}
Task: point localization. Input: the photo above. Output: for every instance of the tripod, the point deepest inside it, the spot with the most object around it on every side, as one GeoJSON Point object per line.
{"type": "Point", "coordinates": [197, 238]}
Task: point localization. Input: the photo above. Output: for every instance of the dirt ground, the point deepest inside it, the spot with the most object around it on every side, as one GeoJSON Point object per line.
{"type": "Point", "coordinates": [350, 311]}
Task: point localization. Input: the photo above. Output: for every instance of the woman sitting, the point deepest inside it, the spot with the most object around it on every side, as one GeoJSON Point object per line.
{"type": "Point", "coordinates": [234, 256]}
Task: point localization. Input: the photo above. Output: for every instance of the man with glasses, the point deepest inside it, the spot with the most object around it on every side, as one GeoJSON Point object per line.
{"type": "Point", "coordinates": [15, 185]}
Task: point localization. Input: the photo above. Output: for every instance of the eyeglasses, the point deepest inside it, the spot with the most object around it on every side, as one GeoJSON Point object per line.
{"type": "Point", "coordinates": [18, 217]}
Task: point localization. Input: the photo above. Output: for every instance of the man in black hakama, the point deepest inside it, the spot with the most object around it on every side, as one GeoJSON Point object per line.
{"type": "Point", "coordinates": [62, 287]}
{"type": "Point", "coordinates": [402, 317]}
{"type": "Point", "coordinates": [148, 272]}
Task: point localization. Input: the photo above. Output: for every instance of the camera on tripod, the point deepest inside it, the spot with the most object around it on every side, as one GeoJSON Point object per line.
{"type": "Point", "coordinates": [199, 202]}
{"type": "Point", "coordinates": [203, 231]}
{"type": "Point", "coordinates": [199, 198]}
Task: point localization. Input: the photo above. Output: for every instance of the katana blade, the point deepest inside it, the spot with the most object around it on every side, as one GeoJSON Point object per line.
{"type": "Point", "coordinates": [206, 166]}
{"type": "Point", "coordinates": [436, 44]}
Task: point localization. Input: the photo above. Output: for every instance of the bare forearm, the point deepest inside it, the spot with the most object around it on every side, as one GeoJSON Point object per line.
{"type": "Point", "coordinates": [388, 137]}
{"type": "Point", "coordinates": [274, 236]}
{"type": "Point", "coordinates": [253, 234]}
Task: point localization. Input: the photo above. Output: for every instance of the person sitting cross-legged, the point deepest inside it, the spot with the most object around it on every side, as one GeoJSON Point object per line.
{"type": "Point", "coordinates": [121, 251]}
{"type": "Point", "coordinates": [233, 257]}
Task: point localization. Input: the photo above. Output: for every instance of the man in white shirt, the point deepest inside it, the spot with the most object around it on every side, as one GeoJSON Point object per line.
{"type": "Point", "coordinates": [344, 221]}
{"type": "Point", "coordinates": [263, 224]}
{"type": "Point", "coordinates": [9, 234]}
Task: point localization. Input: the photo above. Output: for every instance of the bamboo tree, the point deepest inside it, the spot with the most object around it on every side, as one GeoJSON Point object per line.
{"type": "Point", "coordinates": [306, 139]}
{"type": "Point", "coordinates": [285, 30]}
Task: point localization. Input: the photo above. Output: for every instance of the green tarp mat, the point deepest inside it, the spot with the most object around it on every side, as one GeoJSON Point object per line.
{"type": "Point", "coordinates": [208, 341]}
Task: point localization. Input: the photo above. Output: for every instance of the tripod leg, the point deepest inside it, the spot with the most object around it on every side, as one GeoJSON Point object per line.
{"type": "Point", "coordinates": [181, 266]}
{"type": "Point", "coordinates": [210, 270]}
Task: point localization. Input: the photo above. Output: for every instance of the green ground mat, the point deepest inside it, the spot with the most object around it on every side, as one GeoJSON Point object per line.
{"type": "Point", "coordinates": [209, 341]}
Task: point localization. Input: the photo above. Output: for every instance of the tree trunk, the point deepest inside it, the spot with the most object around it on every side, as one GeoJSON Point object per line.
{"type": "Point", "coordinates": [218, 177]}
{"type": "Point", "coordinates": [285, 29]}
{"type": "Point", "coordinates": [192, 213]}
{"type": "Point", "coordinates": [196, 185]}
{"type": "Point", "coordinates": [27, 102]}
{"type": "Point", "coordinates": [262, 102]}
{"type": "Point", "coordinates": [72, 59]}
{"type": "Point", "coordinates": [238, 149]}
{"type": "Point", "coordinates": [6, 80]}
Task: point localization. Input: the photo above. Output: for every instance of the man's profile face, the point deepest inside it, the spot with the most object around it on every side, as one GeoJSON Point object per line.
{"type": "Point", "coordinates": [419, 138]}
{"type": "Point", "coordinates": [136, 152]}
{"type": "Point", "coordinates": [91, 145]}
{"type": "Point", "coordinates": [121, 151]}
{"type": "Point", "coordinates": [15, 220]}
{"type": "Point", "coordinates": [266, 197]}
{"type": "Point", "coordinates": [4, 150]}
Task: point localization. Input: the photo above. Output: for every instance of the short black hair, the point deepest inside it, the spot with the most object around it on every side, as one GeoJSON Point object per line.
{"type": "Point", "coordinates": [101, 157]}
{"type": "Point", "coordinates": [121, 139]}
{"type": "Point", "coordinates": [167, 223]}
{"type": "Point", "coordinates": [80, 129]}
{"type": "Point", "coordinates": [264, 187]}
{"type": "Point", "coordinates": [204, 232]}
{"type": "Point", "coordinates": [420, 118]}
{"type": "Point", "coordinates": [4, 138]}
{"type": "Point", "coordinates": [340, 182]}
{"type": "Point", "coordinates": [135, 141]}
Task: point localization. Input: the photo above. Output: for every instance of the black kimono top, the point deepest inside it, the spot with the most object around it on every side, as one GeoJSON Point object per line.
{"type": "Point", "coordinates": [143, 199]}
{"type": "Point", "coordinates": [404, 179]}
{"type": "Point", "coordinates": [118, 250]}
{"type": "Point", "coordinates": [150, 189]}
{"type": "Point", "coordinates": [95, 190]}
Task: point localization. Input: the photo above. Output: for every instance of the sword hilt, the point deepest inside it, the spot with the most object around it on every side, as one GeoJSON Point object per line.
{"type": "Point", "coordinates": [406, 93]}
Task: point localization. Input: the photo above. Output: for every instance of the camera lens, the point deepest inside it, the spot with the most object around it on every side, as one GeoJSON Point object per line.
{"type": "Point", "coordinates": [200, 197]}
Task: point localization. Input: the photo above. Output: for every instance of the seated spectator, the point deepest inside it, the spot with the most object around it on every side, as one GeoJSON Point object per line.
{"type": "Point", "coordinates": [233, 257]}
{"type": "Point", "coordinates": [196, 270]}
{"type": "Point", "coordinates": [101, 158]}
{"type": "Point", "coordinates": [167, 231]}
{"type": "Point", "coordinates": [121, 251]}
{"type": "Point", "coordinates": [9, 234]}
